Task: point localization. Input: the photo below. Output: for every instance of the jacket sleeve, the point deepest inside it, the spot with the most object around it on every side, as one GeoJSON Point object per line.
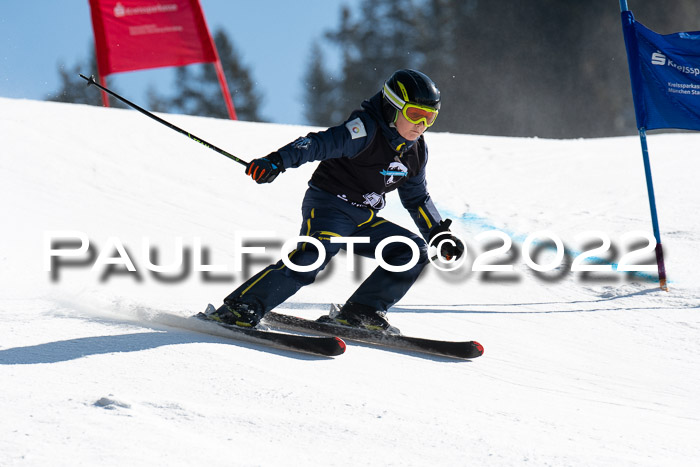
{"type": "Point", "coordinates": [416, 199]}
{"type": "Point", "coordinates": [345, 140]}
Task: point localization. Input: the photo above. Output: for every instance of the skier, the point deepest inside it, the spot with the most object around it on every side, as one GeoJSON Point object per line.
{"type": "Point", "coordinates": [379, 148]}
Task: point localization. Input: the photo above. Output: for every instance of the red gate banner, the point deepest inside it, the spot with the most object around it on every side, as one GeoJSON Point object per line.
{"type": "Point", "coordinates": [142, 34]}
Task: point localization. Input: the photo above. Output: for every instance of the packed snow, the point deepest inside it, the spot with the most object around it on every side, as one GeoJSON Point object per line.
{"type": "Point", "coordinates": [102, 366]}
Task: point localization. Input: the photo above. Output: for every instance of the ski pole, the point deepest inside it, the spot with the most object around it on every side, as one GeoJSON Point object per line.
{"type": "Point", "coordinates": [91, 81]}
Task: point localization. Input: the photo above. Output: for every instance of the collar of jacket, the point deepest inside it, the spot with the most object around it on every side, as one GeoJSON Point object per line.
{"type": "Point", "coordinates": [373, 106]}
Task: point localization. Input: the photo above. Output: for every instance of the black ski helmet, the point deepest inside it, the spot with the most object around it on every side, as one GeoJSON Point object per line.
{"type": "Point", "coordinates": [405, 86]}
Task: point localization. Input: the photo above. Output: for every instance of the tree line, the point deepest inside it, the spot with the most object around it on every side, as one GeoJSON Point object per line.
{"type": "Point", "coordinates": [547, 68]}
{"type": "Point", "coordinates": [196, 89]}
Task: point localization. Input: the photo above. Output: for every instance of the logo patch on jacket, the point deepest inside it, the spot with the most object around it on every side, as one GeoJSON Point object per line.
{"type": "Point", "coordinates": [394, 173]}
{"type": "Point", "coordinates": [356, 128]}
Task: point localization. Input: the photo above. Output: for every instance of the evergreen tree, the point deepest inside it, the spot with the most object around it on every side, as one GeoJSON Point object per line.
{"type": "Point", "coordinates": [197, 89]}
{"type": "Point", "coordinates": [373, 46]}
{"type": "Point", "coordinates": [320, 92]}
{"type": "Point", "coordinates": [74, 89]}
{"type": "Point", "coordinates": [540, 68]}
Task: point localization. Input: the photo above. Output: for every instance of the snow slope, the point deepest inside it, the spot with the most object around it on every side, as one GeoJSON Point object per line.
{"type": "Point", "coordinates": [580, 368]}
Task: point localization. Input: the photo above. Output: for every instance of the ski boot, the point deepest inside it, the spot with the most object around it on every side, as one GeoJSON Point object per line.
{"type": "Point", "coordinates": [362, 316]}
{"type": "Point", "coordinates": [240, 314]}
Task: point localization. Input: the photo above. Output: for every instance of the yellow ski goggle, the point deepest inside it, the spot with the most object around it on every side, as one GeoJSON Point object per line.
{"type": "Point", "coordinates": [414, 113]}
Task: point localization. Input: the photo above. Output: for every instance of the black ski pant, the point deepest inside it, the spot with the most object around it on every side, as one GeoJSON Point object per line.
{"type": "Point", "coordinates": [325, 217]}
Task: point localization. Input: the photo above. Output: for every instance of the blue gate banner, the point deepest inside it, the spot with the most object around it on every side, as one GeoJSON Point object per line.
{"type": "Point", "coordinates": [665, 75]}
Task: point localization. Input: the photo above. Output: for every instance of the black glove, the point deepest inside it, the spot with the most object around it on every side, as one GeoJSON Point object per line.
{"type": "Point", "coordinates": [265, 169]}
{"type": "Point", "coordinates": [451, 246]}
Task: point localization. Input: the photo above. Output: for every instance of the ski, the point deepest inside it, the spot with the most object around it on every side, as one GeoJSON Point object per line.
{"type": "Point", "coordinates": [327, 346]}
{"type": "Point", "coordinates": [461, 350]}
